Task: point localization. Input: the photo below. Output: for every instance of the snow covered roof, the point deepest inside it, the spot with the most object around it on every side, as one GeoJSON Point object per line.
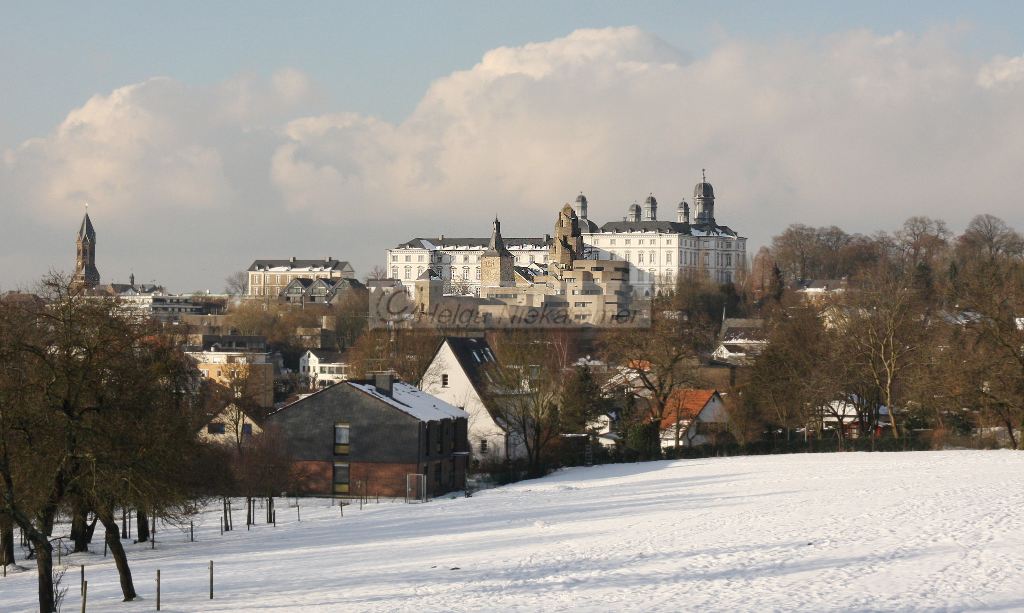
{"type": "Point", "coordinates": [413, 401]}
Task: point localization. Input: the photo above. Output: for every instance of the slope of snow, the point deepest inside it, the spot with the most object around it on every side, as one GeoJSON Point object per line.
{"type": "Point", "coordinates": [937, 531]}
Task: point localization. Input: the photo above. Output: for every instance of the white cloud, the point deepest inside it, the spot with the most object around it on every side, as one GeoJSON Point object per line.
{"type": "Point", "coordinates": [856, 129]}
{"type": "Point", "coordinates": [1002, 70]}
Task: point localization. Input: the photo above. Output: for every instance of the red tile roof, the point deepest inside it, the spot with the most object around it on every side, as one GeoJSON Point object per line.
{"type": "Point", "coordinates": [684, 404]}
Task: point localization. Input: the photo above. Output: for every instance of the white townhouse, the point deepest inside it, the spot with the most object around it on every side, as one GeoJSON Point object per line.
{"type": "Point", "coordinates": [457, 374]}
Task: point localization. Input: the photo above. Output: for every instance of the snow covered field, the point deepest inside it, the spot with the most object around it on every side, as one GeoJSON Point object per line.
{"type": "Point", "coordinates": [935, 531]}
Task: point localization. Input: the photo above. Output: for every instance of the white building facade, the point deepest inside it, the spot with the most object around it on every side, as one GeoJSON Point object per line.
{"type": "Point", "coordinates": [457, 260]}
{"type": "Point", "coordinates": [658, 251]}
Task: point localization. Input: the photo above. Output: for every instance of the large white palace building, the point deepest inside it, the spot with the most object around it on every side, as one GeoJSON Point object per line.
{"type": "Point", "coordinates": [658, 251]}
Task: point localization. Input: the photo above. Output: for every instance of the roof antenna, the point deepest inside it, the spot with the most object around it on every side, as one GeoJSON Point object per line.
{"type": "Point", "coordinates": [703, 178]}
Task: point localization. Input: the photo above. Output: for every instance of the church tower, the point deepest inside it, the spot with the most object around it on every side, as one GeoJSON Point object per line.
{"type": "Point", "coordinates": [496, 263]}
{"type": "Point", "coordinates": [86, 275]}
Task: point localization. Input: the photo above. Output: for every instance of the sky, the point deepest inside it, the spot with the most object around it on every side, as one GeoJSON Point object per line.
{"type": "Point", "coordinates": [207, 135]}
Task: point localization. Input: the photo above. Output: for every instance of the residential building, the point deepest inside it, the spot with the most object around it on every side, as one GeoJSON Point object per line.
{"type": "Point", "coordinates": [740, 340]}
{"type": "Point", "coordinates": [268, 277]}
{"type": "Point", "coordinates": [365, 438]}
{"type": "Point", "coordinates": [239, 363]}
{"type": "Point", "coordinates": [694, 417]}
{"type": "Point", "coordinates": [232, 426]}
{"type": "Point", "coordinates": [457, 374]}
{"type": "Point", "coordinates": [321, 368]}
{"type": "Point", "coordinates": [304, 290]}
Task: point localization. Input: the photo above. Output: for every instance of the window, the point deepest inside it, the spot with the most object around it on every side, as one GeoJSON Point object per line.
{"type": "Point", "coordinates": [408, 272]}
{"type": "Point", "coordinates": [215, 428]}
{"type": "Point", "coordinates": [639, 257]}
{"type": "Point", "coordinates": [483, 446]}
{"type": "Point", "coordinates": [394, 258]}
{"type": "Point", "coordinates": [444, 380]}
{"type": "Point", "coordinates": [477, 273]}
{"type": "Point", "coordinates": [465, 273]}
{"type": "Point", "coordinates": [394, 272]}
{"type": "Point", "coordinates": [246, 429]}
{"type": "Point", "coordinates": [340, 480]}
{"type": "Point", "coordinates": [408, 258]}
{"type": "Point", "coordinates": [341, 438]}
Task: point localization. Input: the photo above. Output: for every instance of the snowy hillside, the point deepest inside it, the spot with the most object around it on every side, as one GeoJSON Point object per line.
{"type": "Point", "coordinates": [939, 531]}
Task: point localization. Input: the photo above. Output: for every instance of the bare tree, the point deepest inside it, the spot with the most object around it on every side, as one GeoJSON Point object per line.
{"type": "Point", "coordinates": [237, 283]}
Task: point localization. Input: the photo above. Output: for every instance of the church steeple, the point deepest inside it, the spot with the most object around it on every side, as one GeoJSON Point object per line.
{"type": "Point", "coordinates": [86, 275]}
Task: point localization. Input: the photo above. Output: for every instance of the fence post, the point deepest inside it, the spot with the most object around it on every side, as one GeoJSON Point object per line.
{"type": "Point", "coordinates": [298, 509]}
{"type": "Point", "coordinates": [81, 584]}
{"type": "Point", "coordinates": [158, 589]}
{"type": "Point", "coordinates": [211, 579]}
{"type": "Point", "coordinates": [85, 594]}
{"type": "Point", "coordinates": [191, 532]}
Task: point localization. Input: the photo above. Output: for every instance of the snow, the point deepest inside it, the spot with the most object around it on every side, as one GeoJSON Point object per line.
{"type": "Point", "coordinates": [411, 400]}
{"type": "Point", "coordinates": [937, 531]}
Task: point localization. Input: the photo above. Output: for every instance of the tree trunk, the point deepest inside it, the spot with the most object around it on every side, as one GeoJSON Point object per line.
{"type": "Point", "coordinates": [6, 540]}
{"type": "Point", "coordinates": [44, 568]}
{"type": "Point", "coordinates": [80, 533]}
{"type": "Point", "coordinates": [113, 538]}
{"type": "Point", "coordinates": [142, 522]}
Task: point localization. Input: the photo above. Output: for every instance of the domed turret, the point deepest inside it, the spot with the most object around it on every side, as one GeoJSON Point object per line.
{"type": "Point", "coordinates": [650, 208]}
{"type": "Point", "coordinates": [704, 200]}
{"type": "Point", "coordinates": [580, 206]}
{"type": "Point", "coordinates": [683, 212]}
{"type": "Point", "coordinates": [633, 212]}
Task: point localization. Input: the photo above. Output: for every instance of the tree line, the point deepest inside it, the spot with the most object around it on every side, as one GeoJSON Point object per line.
{"type": "Point", "coordinates": [99, 416]}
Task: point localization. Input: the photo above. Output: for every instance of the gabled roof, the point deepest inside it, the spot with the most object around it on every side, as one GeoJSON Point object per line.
{"type": "Point", "coordinates": [685, 405]}
{"type": "Point", "coordinates": [303, 281]}
{"type": "Point", "coordinates": [473, 355]}
{"type": "Point", "coordinates": [329, 357]}
{"type": "Point", "coordinates": [413, 401]}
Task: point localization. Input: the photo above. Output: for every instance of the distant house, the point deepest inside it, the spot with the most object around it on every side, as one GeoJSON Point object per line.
{"type": "Point", "coordinates": [696, 417]}
{"type": "Point", "coordinates": [366, 436]}
{"type": "Point", "coordinates": [232, 426]}
{"type": "Point", "coordinates": [305, 290]}
{"type": "Point", "coordinates": [457, 375]}
{"type": "Point", "coordinates": [816, 290]}
{"type": "Point", "coordinates": [322, 368]}
{"type": "Point", "coordinates": [739, 341]}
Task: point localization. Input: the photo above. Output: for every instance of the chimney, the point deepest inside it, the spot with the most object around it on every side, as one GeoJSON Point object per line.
{"type": "Point", "coordinates": [440, 239]}
{"type": "Point", "coordinates": [384, 382]}
{"type": "Point", "coordinates": [327, 258]}
{"type": "Point", "coordinates": [292, 259]}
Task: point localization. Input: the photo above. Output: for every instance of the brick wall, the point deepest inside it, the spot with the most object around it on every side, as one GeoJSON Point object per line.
{"type": "Point", "coordinates": [381, 479]}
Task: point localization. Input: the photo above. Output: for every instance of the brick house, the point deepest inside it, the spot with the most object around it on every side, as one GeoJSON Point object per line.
{"type": "Point", "coordinates": [361, 437]}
